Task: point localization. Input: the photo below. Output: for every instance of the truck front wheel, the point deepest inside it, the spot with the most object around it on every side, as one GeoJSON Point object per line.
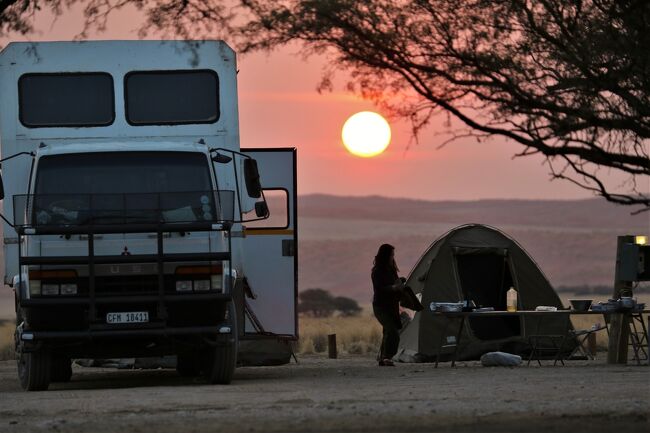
{"type": "Point", "coordinates": [34, 369]}
{"type": "Point", "coordinates": [220, 361]}
{"type": "Point", "coordinates": [220, 364]}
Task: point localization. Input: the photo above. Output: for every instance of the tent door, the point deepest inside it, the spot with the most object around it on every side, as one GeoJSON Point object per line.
{"type": "Point", "coordinates": [485, 277]}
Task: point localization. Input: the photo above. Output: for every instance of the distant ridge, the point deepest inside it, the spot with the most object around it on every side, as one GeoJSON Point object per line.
{"type": "Point", "coordinates": [584, 213]}
{"type": "Point", "coordinates": [574, 241]}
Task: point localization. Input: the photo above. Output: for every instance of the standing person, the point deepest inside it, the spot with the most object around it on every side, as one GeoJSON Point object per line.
{"type": "Point", "coordinates": [387, 289]}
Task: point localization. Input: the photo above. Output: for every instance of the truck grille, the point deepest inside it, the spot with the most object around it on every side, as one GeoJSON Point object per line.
{"type": "Point", "coordinates": [127, 285]}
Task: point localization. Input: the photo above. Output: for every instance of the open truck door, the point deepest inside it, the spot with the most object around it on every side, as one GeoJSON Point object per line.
{"type": "Point", "coordinates": [270, 250]}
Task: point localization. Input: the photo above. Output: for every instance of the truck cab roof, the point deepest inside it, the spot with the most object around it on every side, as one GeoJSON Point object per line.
{"type": "Point", "coordinates": [118, 146]}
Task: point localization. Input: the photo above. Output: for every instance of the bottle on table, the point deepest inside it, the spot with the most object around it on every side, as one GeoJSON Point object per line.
{"type": "Point", "coordinates": [511, 299]}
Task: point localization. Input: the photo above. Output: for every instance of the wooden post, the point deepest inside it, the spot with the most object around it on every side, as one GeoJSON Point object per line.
{"type": "Point", "coordinates": [331, 345]}
{"type": "Point", "coordinates": [619, 328]}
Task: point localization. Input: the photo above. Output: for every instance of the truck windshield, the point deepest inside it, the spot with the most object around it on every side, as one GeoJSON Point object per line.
{"type": "Point", "coordinates": [123, 187]}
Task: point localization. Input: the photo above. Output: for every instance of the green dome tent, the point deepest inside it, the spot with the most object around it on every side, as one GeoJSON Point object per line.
{"type": "Point", "coordinates": [479, 263]}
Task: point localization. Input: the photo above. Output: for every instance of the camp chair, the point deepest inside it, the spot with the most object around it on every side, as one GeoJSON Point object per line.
{"type": "Point", "coordinates": [580, 336]}
{"type": "Point", "coordinates": [546, 344]}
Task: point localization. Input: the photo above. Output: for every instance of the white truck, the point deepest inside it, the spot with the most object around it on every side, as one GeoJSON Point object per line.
{"type": "Point", "coordinates": [134, 224]}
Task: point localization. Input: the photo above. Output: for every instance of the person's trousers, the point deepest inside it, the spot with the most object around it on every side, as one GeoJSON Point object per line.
{"type": "Point", "coordinates": [389, 320]}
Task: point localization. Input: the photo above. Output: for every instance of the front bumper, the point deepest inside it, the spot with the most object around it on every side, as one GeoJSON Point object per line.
{"type": "Point", "coordinates": [73, 300]}
{"type": "Point", "coordinates": [92, 334]}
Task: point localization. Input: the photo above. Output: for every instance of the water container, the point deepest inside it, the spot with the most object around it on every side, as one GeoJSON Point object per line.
{"type": "Point", "coordinates": [511, 299]}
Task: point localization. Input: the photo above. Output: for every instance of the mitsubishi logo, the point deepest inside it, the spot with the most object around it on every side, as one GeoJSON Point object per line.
{"type": "Point", "coordinates": [126, 252]}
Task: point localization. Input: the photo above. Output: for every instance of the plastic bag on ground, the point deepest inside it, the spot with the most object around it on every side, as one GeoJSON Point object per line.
{"type": "Point", "coordinates": [500, 359]}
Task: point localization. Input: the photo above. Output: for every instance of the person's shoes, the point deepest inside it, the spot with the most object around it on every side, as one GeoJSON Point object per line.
{"type": "Point", "coordinates": [386, 363]}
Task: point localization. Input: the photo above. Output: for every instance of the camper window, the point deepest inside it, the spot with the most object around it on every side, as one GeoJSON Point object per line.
{"type": "Point", "coordinates": [171, 97]}
{"type": "Point", "coordinates": [278, 203]}
{"type": "Point", "coordinates": [70, 99]}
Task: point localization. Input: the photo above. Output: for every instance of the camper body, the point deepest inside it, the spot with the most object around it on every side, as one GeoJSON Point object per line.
{"type": "Point", "coordinates": [135, 225]}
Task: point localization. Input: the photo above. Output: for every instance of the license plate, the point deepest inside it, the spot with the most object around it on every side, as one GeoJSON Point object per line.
{"type": "Point", "coordinates": [128, 317]}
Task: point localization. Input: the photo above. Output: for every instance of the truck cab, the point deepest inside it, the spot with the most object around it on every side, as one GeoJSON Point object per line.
{"type": "Point", "coordinates": [134, 224]}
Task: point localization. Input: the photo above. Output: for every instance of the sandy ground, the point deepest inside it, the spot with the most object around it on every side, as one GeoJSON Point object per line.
{"type": "Point", "coordinates": [7, 309]}
{"type": "Point", "coordinates": [345, 395]}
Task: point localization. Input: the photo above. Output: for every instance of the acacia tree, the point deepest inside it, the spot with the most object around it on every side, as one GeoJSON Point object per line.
{"type": "Point", "coordinates": [566, 79]}
{"type": "Point", "coordinates": [188, 19]}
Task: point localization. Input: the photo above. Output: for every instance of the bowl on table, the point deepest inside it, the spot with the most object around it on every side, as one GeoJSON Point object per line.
{"type": "Point", "coordinates": [580, 304]}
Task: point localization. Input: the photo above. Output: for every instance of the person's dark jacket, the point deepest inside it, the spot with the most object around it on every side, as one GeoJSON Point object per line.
{"type": "Point", "coordinates": [385, 294]}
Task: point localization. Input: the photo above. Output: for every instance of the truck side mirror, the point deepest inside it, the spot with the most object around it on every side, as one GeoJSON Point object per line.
{"type": "Point", "coordinates": [261, 209]}
{"type": "Point", "coordinates": [221, 159]}
{"type": "Point", "coordinates": [252, 178]}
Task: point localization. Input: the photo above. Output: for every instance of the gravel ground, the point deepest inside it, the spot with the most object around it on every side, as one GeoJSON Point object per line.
{"type": "Point", "coordinates": [345, 395]}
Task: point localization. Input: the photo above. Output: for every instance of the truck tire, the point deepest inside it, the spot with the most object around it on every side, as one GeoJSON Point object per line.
{"type": "Point", "coordinates": [221, 363]}
{"type": "Point", "coordinates": [34, 370]}
{"type": "Point", "coordinates": [20, 316]}
{"type": "Point", "coordinates": [61, 370]}
{"type": "Point", "coordinates": [221, 360]}
{"type": "Point", "coordinates": [188, 365]}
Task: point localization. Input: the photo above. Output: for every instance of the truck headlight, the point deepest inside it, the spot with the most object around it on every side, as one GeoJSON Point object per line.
{"type": "Point", "coordinates": [215, 282]}
{"type": "Point", "coordinates": [201, 285]}
{"type": "Point", "coordinates": [68, 289]}
{"type": "Point", "coordinates": [49, 289]}
{"type": "Point", "coordinates": [183, 286]}
{"type": "Point", "coordinates": [34, 287]}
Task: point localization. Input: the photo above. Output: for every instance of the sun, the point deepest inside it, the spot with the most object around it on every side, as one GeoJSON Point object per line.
{"type": "Point", "coordinates": [366, 134]}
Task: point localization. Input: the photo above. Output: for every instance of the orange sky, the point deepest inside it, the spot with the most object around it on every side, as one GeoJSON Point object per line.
{"type": "Point", "coordinates": [279, 106]}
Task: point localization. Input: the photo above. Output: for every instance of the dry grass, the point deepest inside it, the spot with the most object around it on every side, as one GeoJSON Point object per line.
{"type": "Point", "coordinates": [354, 335]}
{"type": "Point", "coordinates": [6, 340]}
{"type": "Point", "coordinates": [362, 335]}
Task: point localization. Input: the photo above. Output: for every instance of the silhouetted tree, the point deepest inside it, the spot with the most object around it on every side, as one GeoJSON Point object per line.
{"type": "Point", "coordinates": [320, 303]}
{"type": "Point", "coordinates": [347, 306]}
{"type": "Point", "coordinates": [566, 79]}
{"type": "Point", "coordinates": [316, 302]}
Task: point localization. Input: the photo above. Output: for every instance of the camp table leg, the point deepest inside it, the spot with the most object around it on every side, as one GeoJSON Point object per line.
{"type": "Point", "coordinates": [533, 340]}
{"type": "Point", "coordinates": [558, 355]}
{"type": "Point", "coordinates": [442, 337]}
{"type": "Point", "coordinates": [458, 335]}
{"type": "Point", "coordinates": [638, 341]}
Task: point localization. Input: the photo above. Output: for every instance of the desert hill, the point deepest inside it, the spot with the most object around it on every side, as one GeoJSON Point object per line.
{"type": "Point", "coordinates": [574, 241]}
